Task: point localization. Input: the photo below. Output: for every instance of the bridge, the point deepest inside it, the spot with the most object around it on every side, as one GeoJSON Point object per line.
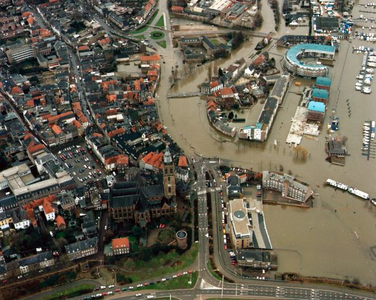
{"type": "Point", "coordinates": [183, 95]}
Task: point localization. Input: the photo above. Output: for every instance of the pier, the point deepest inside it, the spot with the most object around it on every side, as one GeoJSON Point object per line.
{"type": "Point", "coordinates": [183, 95]}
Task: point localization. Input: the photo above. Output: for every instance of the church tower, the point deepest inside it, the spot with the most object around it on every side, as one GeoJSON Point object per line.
{"type": "Point", "coordinates": [169, 186]}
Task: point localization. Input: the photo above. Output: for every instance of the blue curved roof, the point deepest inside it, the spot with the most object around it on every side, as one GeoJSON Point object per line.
{"type": "Point", "coordinates": [316, 106]}
{"type": "Point", "coordinates": [293, 52]}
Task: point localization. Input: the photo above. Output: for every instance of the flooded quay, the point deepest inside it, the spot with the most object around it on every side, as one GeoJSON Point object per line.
{"type": "Point", "coordinates": [332, 239]}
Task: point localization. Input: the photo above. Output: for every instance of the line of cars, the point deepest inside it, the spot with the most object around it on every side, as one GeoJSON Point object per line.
{"type": "Point", "coordinates": [368, 137]}
{"type": "Point", "coordinates": [71, 152]}
{"type": "Point", "coordinates": [233, 257]}
{"type": "Point", "coordinates": [365, 76]}
{"type": "Point", "coordinates": [102, 294]}
{"type": "Point", "coordinates": [222, 228]}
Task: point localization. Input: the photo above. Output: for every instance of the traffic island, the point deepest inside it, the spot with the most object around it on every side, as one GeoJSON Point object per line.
{"type": "Point", "coordinates": [157, 35]}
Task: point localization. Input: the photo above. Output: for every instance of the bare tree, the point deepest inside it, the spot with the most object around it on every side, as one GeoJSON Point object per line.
{"type": "Point", "coordinates": [210, 71]}
{"type": "Point", "coordinates": [62, 242]}
{"type": "Point", "coordinates": [301, 153]}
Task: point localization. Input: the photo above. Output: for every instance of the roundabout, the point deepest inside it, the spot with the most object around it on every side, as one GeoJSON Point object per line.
{"type": "Point", "coordinates": [156, 35]}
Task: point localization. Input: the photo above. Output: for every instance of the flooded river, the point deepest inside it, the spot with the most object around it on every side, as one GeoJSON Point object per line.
{"type": "Point", "coordinates": [335, 237]}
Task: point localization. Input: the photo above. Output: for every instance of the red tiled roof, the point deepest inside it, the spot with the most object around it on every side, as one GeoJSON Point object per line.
{"type": "Point", "coordinates": [104, 41]}
{"type": "Point", "coordinates": [42, 201]}
{"type": "Point", "coordinates": [56, 129]}
{"type": "Point", "coordinates": [183, 161]}
{"type": "Point", "coordinates": [211, 104]}
{"type": "Point", "coordinates": [76, 123]}
{"type": "Point", "coordinates": [137, 85]}
{"type": "Point", "coordinates": [54, 118]}
{"type": "Point", "coordinates": [225, 91]}
{"type": "Point", "coordinates": [76, 106]}
{"type": "Point", "coordinates": [120, 243]}
{"type": "Point", "coordinates": [111, 112]}
{"type": "Point", "coordinates": [60, 221]}
{"type": "Point", "coordinates": [30, 20]}
{"type": "Point", "coordinates": [118, 159]}
{"type": "Point", "coordinates": [116, 132]}
{"type": "Point", "coordinates": [154, 159]}
{"type": "Point", "coordinates": [177, 8]}
{"type": "Point", "coordinates": [43, 32]}
{"type": "Point", "coordinates": [214, 83]}
{"type": "Point", "coordinates": [17, 90]}
{"type": "Point", "coordinates": [35, 148]}
{"type": "Point", "coordinates": [26, 14]}
{"type": "Point", "coordinates": [47, 207]}
{"type": "Point", "coordinates": [83, 48]}
{"type": "Point", "coordinates": [152, 58]}
{"type": "Point", "coordinates": [111, 98]}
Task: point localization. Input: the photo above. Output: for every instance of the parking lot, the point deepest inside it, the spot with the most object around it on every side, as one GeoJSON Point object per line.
{"type": "Point", "coordinates": [80, 164]}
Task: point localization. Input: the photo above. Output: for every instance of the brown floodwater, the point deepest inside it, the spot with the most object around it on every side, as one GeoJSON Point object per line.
{"type": "Point", "coordinates": [334, 238]}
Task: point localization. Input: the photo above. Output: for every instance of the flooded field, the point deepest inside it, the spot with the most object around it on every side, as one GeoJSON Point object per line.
{"type": "Point", "coordinates": [334, 238]}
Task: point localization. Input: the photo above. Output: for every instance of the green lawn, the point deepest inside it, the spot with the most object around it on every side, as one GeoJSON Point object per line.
{"type": "Point", "coordinates": [133, 241]}
{"type": "Point", "coordinates": [163, 44]}
{"type": "Point", "coordinates": [160, 265]}
{"type": "Point", "coordinates": [140, 37]}
{"type": "Point", "coordinates": [140, 30]}
{"type": "Point", "coordinates": [70, 293]}
{"type": "Point", "coordinates": [215, 42]}
{"type": "Point", "coordinates": [144, 28]}
{"type": "Point", "coordinates": [153, 17]}
{"type": "Point", "coordinates": [160, 22]}
{"type": "Point", "coordinates": [156, 35]}
{"type": "Point", "coordinates": [182, 282]}
{"type": "Point", "coordinates": [211, 270]}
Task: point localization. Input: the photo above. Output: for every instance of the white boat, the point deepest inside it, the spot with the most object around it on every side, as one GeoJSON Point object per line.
{"type": "Point", "coordinates": [336, 184]}
{"type": "Point", "coordinates": [358, 193]}
{"type": "Point", "coordinates": [373, 201]}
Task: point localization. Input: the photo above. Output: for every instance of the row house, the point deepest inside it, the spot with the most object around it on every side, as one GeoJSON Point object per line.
{"type": "Point", "coordinates": [36, 262]}
{"type": "Point", "coordinates": [82, 249]}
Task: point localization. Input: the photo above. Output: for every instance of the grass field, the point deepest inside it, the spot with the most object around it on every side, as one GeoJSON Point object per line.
{"type": "Point", "coordinates": [160, 22]}
{"type": "Point", "coordinates": [182, 282]}
{"type": "Point", "coordinates": [70, 293]}
{"type": "Point", "coordinates": [161, 264]}
{"type": "Point", "coordinates": [211, 270]}
{"type": "Point", "coordinates": [163, 44]}
{"type": "Point", "coordinates": [140, 37]}
{"type": "Point", "coordinates": [133, 241]}
{"type": "Point", "coordinates": [140, 30]}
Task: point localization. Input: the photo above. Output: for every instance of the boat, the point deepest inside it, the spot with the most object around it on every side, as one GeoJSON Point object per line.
{"type": "Point", "coordinates": [373, 201]}
{"type": "Point", "coordinates": [358, 193]}
{"type": "Point", "coordinates": [336, 184]}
